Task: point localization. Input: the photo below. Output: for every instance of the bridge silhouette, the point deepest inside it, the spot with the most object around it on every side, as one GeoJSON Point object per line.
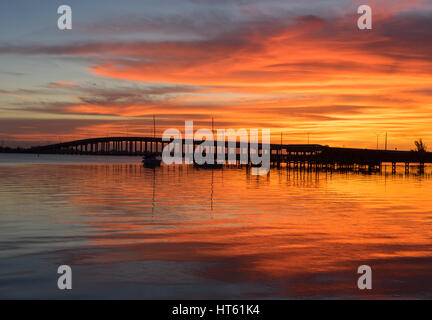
{"type": "Point", "coordinates": [296, 155]}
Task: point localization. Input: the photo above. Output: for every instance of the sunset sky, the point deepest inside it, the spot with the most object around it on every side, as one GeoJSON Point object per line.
{"type": "Point", "coordinates": [298, 67]}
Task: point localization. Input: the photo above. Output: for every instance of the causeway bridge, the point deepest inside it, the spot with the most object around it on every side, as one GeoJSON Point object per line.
{"type": "Point", "coordinates": [298, 155]}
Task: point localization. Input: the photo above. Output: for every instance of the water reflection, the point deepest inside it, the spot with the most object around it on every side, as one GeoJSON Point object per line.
{"type": "Point", "coordinates": [181, 232]}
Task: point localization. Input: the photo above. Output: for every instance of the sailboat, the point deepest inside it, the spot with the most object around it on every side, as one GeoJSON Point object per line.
{"type": "Point", "coordinates": [152, 159]}
{"type": "Point", "coordinates": [213, 165]}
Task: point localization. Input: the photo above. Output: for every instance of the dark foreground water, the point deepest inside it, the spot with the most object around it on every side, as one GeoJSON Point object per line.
{"type": "Point", "coordinates": [180, 232]}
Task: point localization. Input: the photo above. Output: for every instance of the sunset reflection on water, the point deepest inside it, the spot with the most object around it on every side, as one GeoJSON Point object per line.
{"type": "Point", "coordinates": [180, 232]}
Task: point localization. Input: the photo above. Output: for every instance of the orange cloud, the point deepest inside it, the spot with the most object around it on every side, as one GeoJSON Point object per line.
{"type": "Point", "coordinates": [310, 75]}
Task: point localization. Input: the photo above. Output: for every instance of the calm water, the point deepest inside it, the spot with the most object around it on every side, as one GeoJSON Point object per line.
{"type": "Point", "coordinates": [179, 232]}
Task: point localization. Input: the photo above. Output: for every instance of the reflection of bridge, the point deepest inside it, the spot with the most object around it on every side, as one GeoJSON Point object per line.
{"type": "Point", "coordinates": [295, 155]}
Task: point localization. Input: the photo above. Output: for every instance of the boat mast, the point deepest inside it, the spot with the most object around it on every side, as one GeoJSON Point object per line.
{"type": "Point", "coordinates": [154, 126]}
{"type": "Point", "coordinates": [213, 148]}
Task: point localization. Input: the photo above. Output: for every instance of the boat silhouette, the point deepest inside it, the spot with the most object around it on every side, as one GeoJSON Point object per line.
{"type": "Point", "coordinates": [152, 160]}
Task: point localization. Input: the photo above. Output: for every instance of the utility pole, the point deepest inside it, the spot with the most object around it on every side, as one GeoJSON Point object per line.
{"type": "Point", "coordinates": [386, 142]}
